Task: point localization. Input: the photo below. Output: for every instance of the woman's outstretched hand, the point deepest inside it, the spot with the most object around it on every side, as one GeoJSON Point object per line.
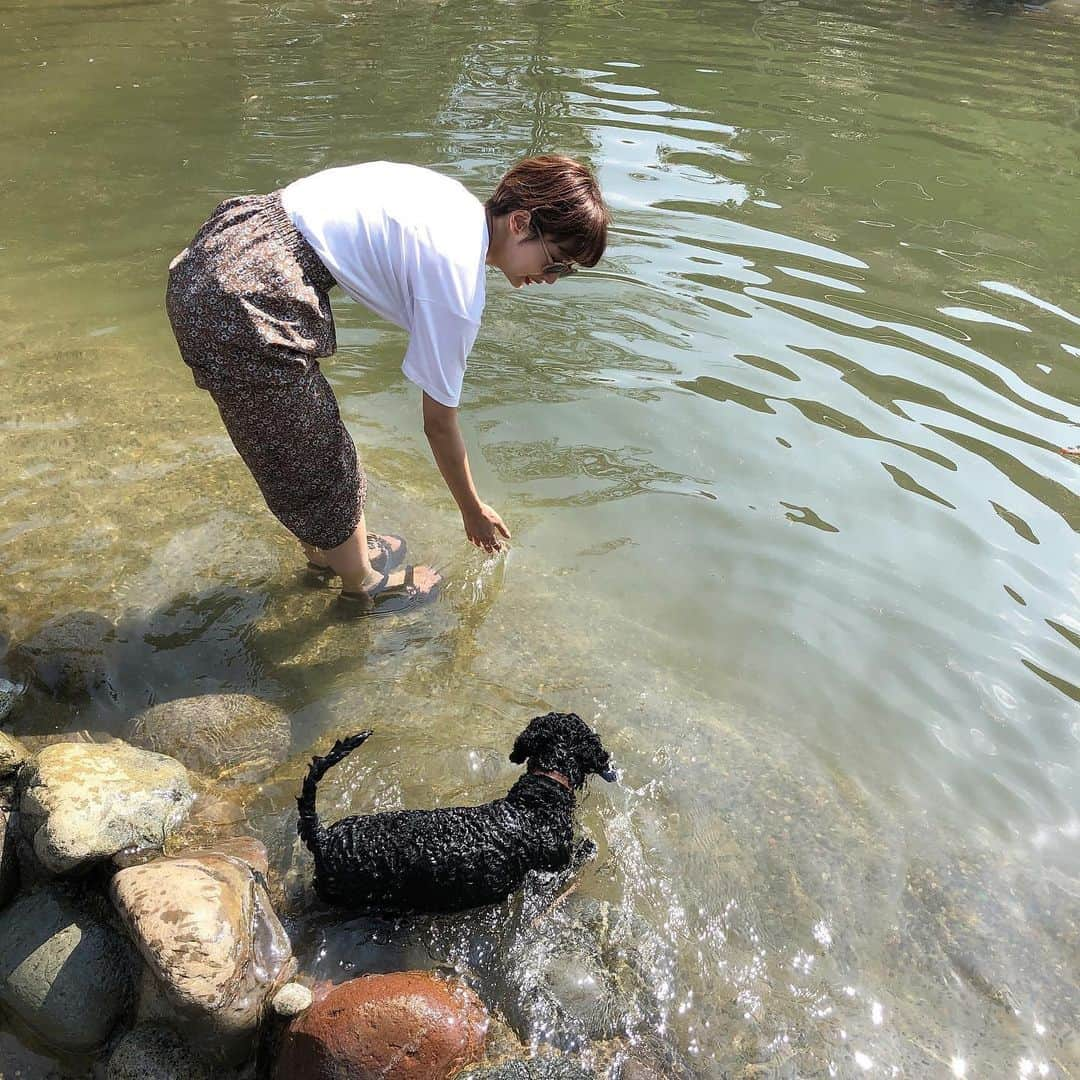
{"type": "Point", "coordinates": [484, 528]}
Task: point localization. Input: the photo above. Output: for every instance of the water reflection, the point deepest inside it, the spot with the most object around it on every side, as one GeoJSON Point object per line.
{"type": "Point", "coordinates": [838, 296]}
{"type": "Point", "coordinates": [624, 473]}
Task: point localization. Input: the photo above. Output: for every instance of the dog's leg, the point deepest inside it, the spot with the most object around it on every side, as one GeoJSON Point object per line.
{"type": "Point", "coordinates": [583, 852]}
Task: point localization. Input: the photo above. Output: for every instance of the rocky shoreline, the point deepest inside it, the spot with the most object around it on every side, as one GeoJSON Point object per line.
{"type": "Point", "coordinates": [759, 916]}
{"type": "Point", "coordinates": [140, 933]}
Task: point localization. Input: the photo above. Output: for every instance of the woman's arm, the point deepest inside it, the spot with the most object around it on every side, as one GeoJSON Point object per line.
{"type": "Point", "coordinates": [483, 526]}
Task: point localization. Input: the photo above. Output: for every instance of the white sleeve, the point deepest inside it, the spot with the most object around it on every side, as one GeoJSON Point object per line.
{"type": "Point", "coordinates": [439, 345]}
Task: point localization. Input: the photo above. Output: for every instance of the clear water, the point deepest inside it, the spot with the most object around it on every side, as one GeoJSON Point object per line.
{"type": "Point", "coordinates": [792, 525]}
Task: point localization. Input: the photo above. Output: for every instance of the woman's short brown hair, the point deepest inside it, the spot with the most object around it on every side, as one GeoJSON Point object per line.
{"type": "Point", "coordinates": [565, 202]}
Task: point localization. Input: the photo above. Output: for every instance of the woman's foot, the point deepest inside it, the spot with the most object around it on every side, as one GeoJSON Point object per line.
{"type": "Point", "coordinates": [386, 594]}
{"type": "Point", "coordinates": [385, 552]}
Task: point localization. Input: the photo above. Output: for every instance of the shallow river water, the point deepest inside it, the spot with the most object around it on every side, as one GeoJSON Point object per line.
{"type": "Point", "coordinates": [792, 524]}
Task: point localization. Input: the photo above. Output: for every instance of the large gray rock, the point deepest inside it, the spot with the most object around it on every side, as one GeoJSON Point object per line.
{"type": "Point", "coordinates": [227, 736]}
{"type": "Point", "coordinates": [205, 927]}
{"type": "Point", "coordinates": [64, 972]}
{"type": "Point", "coordinates": [86, 801]}
{"type": "Point", "coordinates": [153, 1052]}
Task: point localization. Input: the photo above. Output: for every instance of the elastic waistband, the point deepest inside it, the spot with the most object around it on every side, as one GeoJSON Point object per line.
{"type": "Point", "coordinates": [280, 226]}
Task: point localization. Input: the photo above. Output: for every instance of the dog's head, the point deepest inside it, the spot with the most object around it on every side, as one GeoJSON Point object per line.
{"type": "Point", "coordinates": [563, 742]}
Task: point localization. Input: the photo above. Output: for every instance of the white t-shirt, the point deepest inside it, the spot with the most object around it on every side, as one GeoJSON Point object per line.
{"type": "Point", "coordinates": [410, 244]}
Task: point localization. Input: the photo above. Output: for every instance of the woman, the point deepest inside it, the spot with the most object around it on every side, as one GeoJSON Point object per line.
{"type": "Point", "coordinates": [249, 307]}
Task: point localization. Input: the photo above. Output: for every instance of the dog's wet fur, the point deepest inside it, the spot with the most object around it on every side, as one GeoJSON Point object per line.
{"type": "Point", "coordinates": [464, 856]}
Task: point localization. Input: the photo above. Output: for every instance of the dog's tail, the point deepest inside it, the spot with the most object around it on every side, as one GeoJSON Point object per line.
{"type": "Point", "coordinates": [308, 825]}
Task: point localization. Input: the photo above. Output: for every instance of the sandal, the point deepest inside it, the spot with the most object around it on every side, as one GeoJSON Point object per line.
{"type": "Point", "coordinates": [387, 599]}
{"type": "Point", "coordinates": [386, 560]}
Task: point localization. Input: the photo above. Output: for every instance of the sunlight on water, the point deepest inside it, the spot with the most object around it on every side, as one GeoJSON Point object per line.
{"type": "Point", "coordinates": [793, 528]}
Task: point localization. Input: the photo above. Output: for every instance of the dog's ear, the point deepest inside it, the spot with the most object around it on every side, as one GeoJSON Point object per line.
{"type": "Point", "coordinates": [525, 745]}
{"type": "Point", "coordinates": [532, 740]}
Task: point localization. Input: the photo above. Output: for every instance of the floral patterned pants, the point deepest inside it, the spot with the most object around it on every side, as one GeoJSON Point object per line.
{"type": "Point", "coordinates": [248, 303]}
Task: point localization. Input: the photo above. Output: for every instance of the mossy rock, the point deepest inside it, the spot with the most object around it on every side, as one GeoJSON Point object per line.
{"type": "Point", "coordinates": [233, 737]}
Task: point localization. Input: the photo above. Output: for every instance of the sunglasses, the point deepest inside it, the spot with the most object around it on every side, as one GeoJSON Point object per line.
{"type": "Point", "coordinates": [553, 268]}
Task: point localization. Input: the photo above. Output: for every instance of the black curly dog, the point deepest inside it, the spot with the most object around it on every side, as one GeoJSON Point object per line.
{"type": "Point", "coordinates": [465, 856]}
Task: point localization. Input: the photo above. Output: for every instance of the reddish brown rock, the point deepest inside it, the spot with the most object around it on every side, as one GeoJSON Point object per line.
{"type": "Point", "coordinates": [408, 1025]}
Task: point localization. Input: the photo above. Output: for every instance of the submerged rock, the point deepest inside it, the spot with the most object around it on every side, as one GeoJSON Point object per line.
{"type": "Point", "coordinates": [408, 1025]}
{"type": "Point", "coordinates": [9, 864]}
{"type": "Point", "coordinates": [217, 813]}
{"type": "Point", "coordinates": [10, 693]}
{"type": "Point", "coordinates": [582, 975]}
{"type": "Point", "coordinates": [544, 1067]}
{"type": "Point", "coordinates": [227, 736]}
{"type": "Point", "coordinates": [205, 927]}
{"type": "Point", "coordinates": [246, 849]}
{"type": "Point", "coordinates": [68, 656]}
{"type": "Point", "coordinates": [64, 972]}
{"type": "Point", "coordinates": [34, 744]}
{"type": "Point", "coordinates": [1009, 942]}
{"type": "Point", "coordinates": [19, 1062]}
{"type": "Point", "coordinates": [87, 801]}
{"type": "Point", "coordinates": [154, 1052]}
